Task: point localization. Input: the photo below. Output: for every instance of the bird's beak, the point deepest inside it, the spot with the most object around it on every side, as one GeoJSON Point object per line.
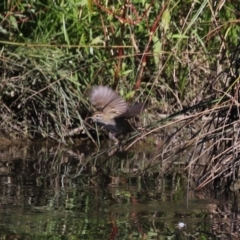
{"type": "Point", "coordinates": [86, 119]}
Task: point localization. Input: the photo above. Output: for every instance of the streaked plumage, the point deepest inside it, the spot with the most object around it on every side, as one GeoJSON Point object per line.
{"type": "Point", "coordinates": [112, 109]}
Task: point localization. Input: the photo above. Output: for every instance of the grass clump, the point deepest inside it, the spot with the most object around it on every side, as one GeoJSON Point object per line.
{"type": "Point", "coordinates": [40, 98]}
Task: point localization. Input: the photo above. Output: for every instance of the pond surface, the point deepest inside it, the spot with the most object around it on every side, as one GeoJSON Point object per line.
{"type": "Point", "coordinates": [58, 192]}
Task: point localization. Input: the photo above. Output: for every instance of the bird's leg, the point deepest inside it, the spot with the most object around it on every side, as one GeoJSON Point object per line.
{"type": "Point", "coordinates": [112, 137]}
{"type": "Point", "coordinates": [117, 143]}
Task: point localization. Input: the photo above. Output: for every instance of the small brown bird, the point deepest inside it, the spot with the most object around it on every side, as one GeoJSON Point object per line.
{"type": "Point", "coordinates": [112, 110]}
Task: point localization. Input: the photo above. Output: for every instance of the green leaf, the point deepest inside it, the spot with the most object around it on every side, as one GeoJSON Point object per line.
{"type": "Point", "coordinates": [180, 36]}
{"type": "Point", "coordinates": [157, 49]}
{"type": "Point", "coordinates": [96, 41]}
{"type": "Point", "coordinates": [166, 20]}
{"type": "Point", "coordinates": [130, 94]}
{"type": "Point", "coordinates": [125, 73]}
{"type": "Point", "coordinates": [13, 22]}
{"type": "Point", "coordinates": [90, 5]}
{"type": "Point", "coordinates": [3, 30]}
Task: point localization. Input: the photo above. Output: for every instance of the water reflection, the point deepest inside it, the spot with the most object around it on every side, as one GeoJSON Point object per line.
{"type": "Point", "coordinates": [57, 191]}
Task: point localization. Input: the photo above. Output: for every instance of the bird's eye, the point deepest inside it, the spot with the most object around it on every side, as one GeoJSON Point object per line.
{"type": "Point", "coordinates": [97, 116]}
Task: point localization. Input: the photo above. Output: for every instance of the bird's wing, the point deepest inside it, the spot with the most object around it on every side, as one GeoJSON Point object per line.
{"type": "Point", "coordinates": [105, 99]}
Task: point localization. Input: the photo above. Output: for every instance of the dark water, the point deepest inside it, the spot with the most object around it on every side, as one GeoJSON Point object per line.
{"type": "Point", "coordinates": [61, 193]}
